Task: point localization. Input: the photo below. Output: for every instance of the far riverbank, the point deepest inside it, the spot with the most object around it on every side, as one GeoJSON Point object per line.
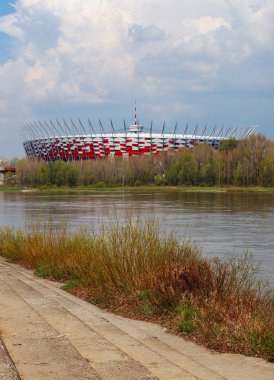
{"type": "Point", "coordinates": [152, 188]}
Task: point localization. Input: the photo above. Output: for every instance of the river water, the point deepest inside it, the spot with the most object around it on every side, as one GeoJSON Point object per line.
{"type": "Point", "coordinates": [221, 223]}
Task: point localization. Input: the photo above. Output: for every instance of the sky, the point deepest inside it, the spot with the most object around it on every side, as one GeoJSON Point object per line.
{"type": "Point", "coordinates": [186, 61]}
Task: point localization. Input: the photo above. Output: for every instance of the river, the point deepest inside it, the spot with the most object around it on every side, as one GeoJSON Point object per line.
{"type": "Point", "coordinates": [221, 223]}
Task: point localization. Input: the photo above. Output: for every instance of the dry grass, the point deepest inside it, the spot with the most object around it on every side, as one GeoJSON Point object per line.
{"type": "Point", "coordinates": [136, 270]}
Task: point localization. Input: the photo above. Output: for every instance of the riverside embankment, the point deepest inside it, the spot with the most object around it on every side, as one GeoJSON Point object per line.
{"type": "Point", "coordinates": [52, 334]}
{"type": "Point", "coordinates": [136, 270]}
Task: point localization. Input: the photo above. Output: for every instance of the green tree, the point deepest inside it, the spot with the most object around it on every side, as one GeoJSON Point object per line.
{"type": "Point", "coordinates": [228, 145]}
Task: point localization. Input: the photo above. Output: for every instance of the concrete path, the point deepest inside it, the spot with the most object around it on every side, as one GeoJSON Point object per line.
{"type": "Point", "coordinates": [51, 334]}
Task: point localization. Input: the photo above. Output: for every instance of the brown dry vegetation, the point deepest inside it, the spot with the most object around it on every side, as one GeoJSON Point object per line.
{"type": "Point", "coordinates": [135, 270]}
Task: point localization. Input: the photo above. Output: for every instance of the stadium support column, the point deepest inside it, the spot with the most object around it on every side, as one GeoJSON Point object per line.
{"type": "Point", "coordinates": [29, 143]}
{"type": "Point", "coordinates": [102, 138]}
{"type": "Point", "coordinates": [44, 135]}
{"type": "Point", "coordinates": [203, 133]}
{"type": "Point", "coordinates": [85, 134]}
{"type": "Point", "coordinates": [42, 140]}
{"type": "Point", "coordinates": [211, 134]}
{"type": "Point", "coordinates": [221, 132]}
{"type": "Point", "coordinates": [125, 139]}
{"type": "Point", "coordinates": [184, 135]}
{"type": "Point", "coordinates": [80, 140]}
{"type": "Point", "coordinates": [113, 142]}
{"type": "Point", "coordinates": [58, 133]}
{"type": "Point", "coordinates": [174, 136]}
{"type": "Point", "coordinates": [251, 131]}
{"type": "Point", "coordinates": [194, 133]}
{"type": "Point", "coordinates": [163, 131]}
{"type": "Point", "coordinates": [234, 133]}
{"type": "Point", "coordinates": [33, 138]}
{"type": "Point", "coordinates": [73, 134]}
{"type": "Point", "coordinates": [151, 125]}
{"type": "Point", "coordinates": [79, 151]}
{"type": "Point", "coordinates": [227, 132]}
{"type": "Point", "coordinates": [92, 133]}
{"type": "Point", "coordinates": [49, 145]}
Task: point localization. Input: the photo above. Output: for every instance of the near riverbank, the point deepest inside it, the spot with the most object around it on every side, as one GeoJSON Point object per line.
{"type": "Point", "coordinates": [136, 271]}
{"type": "Point", "coordinates": [60, 336]}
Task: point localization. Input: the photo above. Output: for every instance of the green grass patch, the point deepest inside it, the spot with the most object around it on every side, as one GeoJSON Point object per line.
{"type": "Point", "coordinates": [186, 326]}
{"type": "Point", "coordinates": [59, 272]}
{"type": "Point", "coordinates": [100, 186]}
{"type": "Point", "coordinates": [263, 342]}
{"type": "Point", "coordinates": [72, 284]}
{"type": "Point", "coordinates": [8, 188]}
{"type": "Point", "coordinates": [147, 305]}
{"type": "Point", "coordinates": [187, 311]}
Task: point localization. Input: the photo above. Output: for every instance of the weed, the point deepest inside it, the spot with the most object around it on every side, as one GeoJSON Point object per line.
{"type": "Point", "coordinates": [59, 272]}
{"type": "Point", "coordinates": [186, 326]}
{"type": "Point", "coordinates": [72, 284]}
{"type": "Point", "coordinates": [147, 306]}
{"type": "Point", "coordinates": [188, 311]}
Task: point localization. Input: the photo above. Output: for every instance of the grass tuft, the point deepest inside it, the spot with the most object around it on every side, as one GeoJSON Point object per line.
{"type": "Point", "coordinates": [186, 326]}
{"type": "Point", "coordinates": [72, 284]}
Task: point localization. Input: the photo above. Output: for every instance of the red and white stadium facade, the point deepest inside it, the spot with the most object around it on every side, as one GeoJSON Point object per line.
{"type": "Point", "coordinates": [70, 141]}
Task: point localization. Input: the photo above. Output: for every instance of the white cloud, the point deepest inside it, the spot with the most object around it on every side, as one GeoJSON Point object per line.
{"type": "Point", "coordinates": [105, 53]}
{"type": "Point", "coordinates": [7, 25]}
{"type": "Point", "coordinates": [193, 27]}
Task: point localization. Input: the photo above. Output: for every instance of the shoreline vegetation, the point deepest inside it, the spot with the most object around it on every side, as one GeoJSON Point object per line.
{"type": "Point", "coordinates": [147, 188]}
{"type": "Point", "coordinates": [136, 270]}
{"type": "Point", "coordinates": [247, 163]}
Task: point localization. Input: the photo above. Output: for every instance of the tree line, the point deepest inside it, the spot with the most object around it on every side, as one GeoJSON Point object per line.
{"type": "Point", "coordinates": [248, 162]}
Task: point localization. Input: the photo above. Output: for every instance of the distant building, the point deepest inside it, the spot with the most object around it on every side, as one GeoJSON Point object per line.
{"type": "Point", "coordinates": [63, 141]}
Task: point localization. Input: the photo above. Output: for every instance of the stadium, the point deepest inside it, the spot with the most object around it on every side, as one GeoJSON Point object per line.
{"type": "Point", "coordinates": [70, 141]}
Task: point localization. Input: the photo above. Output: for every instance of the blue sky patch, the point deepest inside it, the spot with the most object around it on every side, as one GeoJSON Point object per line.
{"type": "Point", "coordinates": [6, 7]}
{"type": "Point", "coordinates": [6, 42]}
{"type": "Point", "coordinates": [6, 47]}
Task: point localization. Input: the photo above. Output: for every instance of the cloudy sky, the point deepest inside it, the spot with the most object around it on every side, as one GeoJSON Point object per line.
{"type": "Point", "coordinates": [205, 61]}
